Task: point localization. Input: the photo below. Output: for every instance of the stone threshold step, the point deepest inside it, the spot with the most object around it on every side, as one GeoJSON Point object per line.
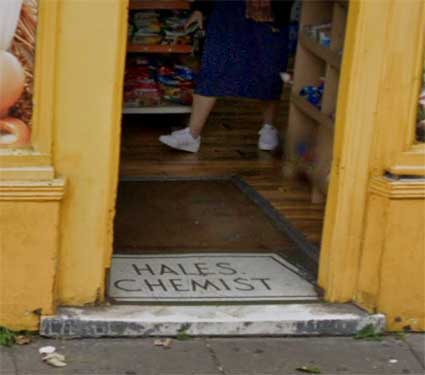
{"type": "Point", "coordinates": [309, 319]}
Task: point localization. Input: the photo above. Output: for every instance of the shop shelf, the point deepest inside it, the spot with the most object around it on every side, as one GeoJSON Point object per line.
{"type": "Point", "coordinates": [159, 4]}
{"type": "Point", "coordinates": [324, 53]}
{"type": "Point", "coordinates": [141, 48]}
{"type": "Point", "coordinates": [311, 111]}
{"type": "Point", "coordinates": [164, 109]}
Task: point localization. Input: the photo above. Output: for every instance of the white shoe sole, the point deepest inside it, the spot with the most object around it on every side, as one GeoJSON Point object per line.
{"type": "Point", "coordinates": [194, 148]}
{"type": "Point", "coordinates": [267, 147]}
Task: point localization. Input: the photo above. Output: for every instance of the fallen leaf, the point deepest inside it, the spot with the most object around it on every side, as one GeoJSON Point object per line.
{"type": "Point", "coordinates": [22, 340]}
{"type": "Point", "coordinates": [55, 359]}
{"type": "Point", "coordinates": [309, 370]}
{"type": "Point", "coordinates": [165, 343]}
{"type": "Point", "coordinates": [55, 355]}
{"type": "Point", "coordinates": [55, 362]}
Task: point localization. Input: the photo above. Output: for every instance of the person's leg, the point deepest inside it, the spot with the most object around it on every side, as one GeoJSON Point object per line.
{"type": "Point", "coordinates": [188, 139]}
{"type": "Point", "coordinates": [270, 111]}
{"type": "Point", "coordinates": [201, 109]}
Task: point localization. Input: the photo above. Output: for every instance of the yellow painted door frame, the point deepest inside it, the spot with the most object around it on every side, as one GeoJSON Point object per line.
{"type": "Point", "coordinates": [90, 57]}
{"type": "Point", "coordinates": [373, 241]}
{"type": "Point", "coordinates": [376, 31]}
{"type": "Point", "coordinates": [374, 133]}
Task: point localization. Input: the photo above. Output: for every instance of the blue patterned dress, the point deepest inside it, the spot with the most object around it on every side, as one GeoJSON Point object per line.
{"type": "Point", "coordinates": [241, 57]}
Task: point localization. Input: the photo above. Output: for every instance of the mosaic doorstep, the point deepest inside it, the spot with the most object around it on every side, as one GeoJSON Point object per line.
{"type": "Point", "coordinates": [206, 277]}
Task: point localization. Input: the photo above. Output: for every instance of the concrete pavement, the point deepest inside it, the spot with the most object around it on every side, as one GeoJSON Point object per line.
{"type": "Point", "coordinates": [221, 356]}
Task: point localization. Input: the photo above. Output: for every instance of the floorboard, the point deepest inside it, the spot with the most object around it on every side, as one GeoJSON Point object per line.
{"type": "Point", "coordinates": [229, 147]}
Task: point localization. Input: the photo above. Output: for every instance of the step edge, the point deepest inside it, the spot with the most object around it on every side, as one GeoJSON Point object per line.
{"type": "Point", "coordinates": [75, 327]}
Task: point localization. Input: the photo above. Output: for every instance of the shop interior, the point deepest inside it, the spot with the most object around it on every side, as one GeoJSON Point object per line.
{"type": "Point", "coordinates": [175, 202]}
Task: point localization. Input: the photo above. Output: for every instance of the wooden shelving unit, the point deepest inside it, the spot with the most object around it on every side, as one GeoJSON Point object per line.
{"type": "Point", "coordinates": [159, 49]}
{"type": "Point", "coordinates": [311, 111]}
{"type": "Point", "coordinates": [166, 108]}
{"type": "Point", "coordinates": [309, 126]}
{"type": "Point", "coordinates": [326, 54]}
{"type": "Point", "coordinates": [141, 48]}
{"type": "Point", "coordinates": [159, 4]}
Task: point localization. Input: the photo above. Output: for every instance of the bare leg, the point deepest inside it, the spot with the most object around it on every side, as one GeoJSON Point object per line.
{"type": "Point", "coordinates": [202, 106]}
{"type": "Point", "coordinates": [270, 111]}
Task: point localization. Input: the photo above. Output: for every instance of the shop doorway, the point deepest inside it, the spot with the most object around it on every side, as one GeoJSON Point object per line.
{"type": "Point", "coordinates": [171, 202]}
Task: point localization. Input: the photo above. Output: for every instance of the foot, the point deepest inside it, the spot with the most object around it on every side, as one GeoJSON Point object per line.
{"type": "Point", "coordinates": [269, 138]}
{"type": "Point", "coordinates": [181, 140]}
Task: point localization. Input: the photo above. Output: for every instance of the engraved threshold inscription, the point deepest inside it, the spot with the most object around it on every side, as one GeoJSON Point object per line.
{"type": "Point", "coordinates": [205, 277]}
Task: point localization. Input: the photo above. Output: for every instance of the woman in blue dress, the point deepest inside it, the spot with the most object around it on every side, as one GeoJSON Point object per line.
{"type": "Point", "coordinates": [245, 51]}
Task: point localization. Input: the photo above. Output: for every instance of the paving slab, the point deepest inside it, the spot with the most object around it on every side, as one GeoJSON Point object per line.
{"type": "Point", "coordinates": [417, 344]}
{"type": "Point", "coordinates": [7, 366]}
{"type": "Point", "coordinates": [118, 357]}
{"type": "Point", "coordinates": [339, 355]}
{"type": "Point", "coordinates": [217, 356]}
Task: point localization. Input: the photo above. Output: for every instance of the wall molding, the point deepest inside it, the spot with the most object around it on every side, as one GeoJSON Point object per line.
{"type": "Point", "coordinates": [51, 190]}
{"type": "Point", "coordinates": [393, 188]}
{"type": "Point", "coordinates": [411, 162]}
{"type": "Point", "coordinates": [27, 173]}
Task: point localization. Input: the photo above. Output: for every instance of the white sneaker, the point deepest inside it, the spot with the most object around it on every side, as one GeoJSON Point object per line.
{"type": "Point", "coordinates": [181, 140]}
{"type": "Point", "coordinates": [269, 138]}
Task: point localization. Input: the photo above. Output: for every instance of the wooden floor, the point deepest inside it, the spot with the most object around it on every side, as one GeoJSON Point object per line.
{"type": "Point", "coordinates": [229, 147]}
{"type": "Point", "coordinates": [185, 216]}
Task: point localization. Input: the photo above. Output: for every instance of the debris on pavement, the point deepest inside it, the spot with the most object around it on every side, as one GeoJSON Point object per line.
{"type": "Point", "coordinates": [165, 343]}
{"type": "Point", "coordinates": [309, 370]}
{"type": "Point", "coordinates": [23, 340]}
{"type": "Point", "coordinates": [51, 357]}
{"type": "Point", "coordinates": [47, 349]}
{"type": "Point", "coordinates": [55, 359]}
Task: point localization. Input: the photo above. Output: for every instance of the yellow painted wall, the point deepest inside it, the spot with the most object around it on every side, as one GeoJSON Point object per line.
{"type": "Point", "coordinates": [30, 198]}
{"type": "Point", "coordinates": [71, 244]}
{"type": "Point", "coordinates": [392, 268]}
{"type": "Point", "coordinates": [90, 58]}
{"type": "Point", "coordinates": [402, 285]}
{"type": "Point", "coordinates": [29, 215]}
{"type": "Point", "coordinates": [373, 249]}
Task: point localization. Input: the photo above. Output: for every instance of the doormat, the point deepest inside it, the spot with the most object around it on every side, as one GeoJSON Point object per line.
{"type": "Point", "coordinates": [163, 215]}
{"type": "Point", "coordinates": [206, 277]}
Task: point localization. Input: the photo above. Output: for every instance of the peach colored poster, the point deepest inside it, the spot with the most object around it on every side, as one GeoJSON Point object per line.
{"type": "Point", "coordinates": [18, 24]}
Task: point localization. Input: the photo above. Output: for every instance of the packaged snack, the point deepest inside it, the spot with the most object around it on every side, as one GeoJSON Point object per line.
{"type": "Point", "coordinates": [146, 38]}
{"type": "Point", "coordinates": [183, 73]}
{"type": "Point", "coordinates": [149, 98]}
{"type": "Point", "coordinates": [153, 79]}
{"type": "Point", "coordinates": [131, 97]}
{"type": "Point", "coordinates": [143, 18]}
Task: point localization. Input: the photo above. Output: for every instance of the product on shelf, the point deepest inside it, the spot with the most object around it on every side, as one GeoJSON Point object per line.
{"type": "Point", "coordinates": [320, 33]}
{"type": "Point", "coordinates": [156, 80]}
{"type": "Point", "coordinates": [314, 94]}
{"type": "Point", "coordinates": [147, 21]}
{"type": "Point", "coordinates": [161, 28]}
